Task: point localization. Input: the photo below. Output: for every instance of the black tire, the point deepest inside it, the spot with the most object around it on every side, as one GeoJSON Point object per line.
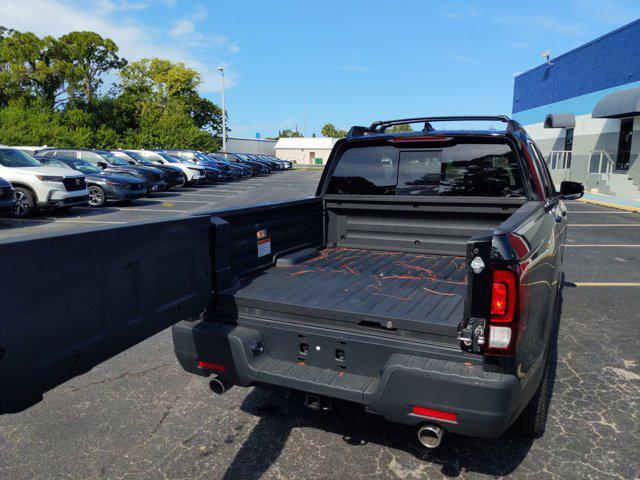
{"type": "Point", "coordinates": [183, 182]}
{"type": "Point", "coordinates": [97, 196]}
{"type": "Point", "coordinates": [25, 203]}
{"type": "Point", "coordinates": [533, 419]}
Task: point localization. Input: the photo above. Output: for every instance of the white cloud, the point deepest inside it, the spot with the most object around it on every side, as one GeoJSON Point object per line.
{"type": "Point", "coordinates": [182, 27]}
{"type": "Point", "coordinates": [135, 40]}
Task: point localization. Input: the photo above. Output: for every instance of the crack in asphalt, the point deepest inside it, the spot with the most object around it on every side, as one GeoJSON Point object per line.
{"type": "Point", "coordinates": [141, 373]}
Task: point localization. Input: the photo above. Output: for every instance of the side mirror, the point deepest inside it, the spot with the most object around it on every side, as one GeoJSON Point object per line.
{"type": "Point", "coordinates": [102, 164]}
{"type": "Point", "coordinates": [132, 162]}
{"type": "Point", "coordinates": [571, 190]}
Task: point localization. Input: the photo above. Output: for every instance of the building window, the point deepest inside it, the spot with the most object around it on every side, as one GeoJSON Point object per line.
{"type": "Point", "coordinates": [568, 146]}
{"type": "Point", "coordinates": [568, 139]}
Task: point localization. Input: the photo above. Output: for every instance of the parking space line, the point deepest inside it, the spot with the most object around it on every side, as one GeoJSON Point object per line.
{"type": "Point", "coordinates": [206, 195]}
{"type": "Point", "coordinates": [607, 284]}
{"type": "Point", "coordinates": [608, 245]}
{"type": "Point", "coordinates": [129, 209]}
{"type": "Point", "coordinates": [185, 201]}
{"type": "Point", "coordinates": [106, 222]}
{"type": "Point", "coordinates": [615, 212]}
{"type": "Point", "coordinates": [604, 224]}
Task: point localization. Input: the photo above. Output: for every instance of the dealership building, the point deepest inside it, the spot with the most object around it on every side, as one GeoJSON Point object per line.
{"type": "Point", "coordinates": [305, 150]}
{"type": "Point", "coordinates": [582, 109]}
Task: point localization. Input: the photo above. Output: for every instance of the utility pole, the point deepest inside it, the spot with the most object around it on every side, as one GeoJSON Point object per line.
{"type": "Point", "coordinates": [224, 115]}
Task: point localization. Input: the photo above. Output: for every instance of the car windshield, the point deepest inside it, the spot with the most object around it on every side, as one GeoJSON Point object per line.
{"type": "Point", "coordinates": [12, 158]}
{"type": "Point", "coordinates": [83, 166]}
{"type": "Point", "coordinates": [139, 158]}
{"type": "Point", "coordinates": [112, 159]}
{"type": "Point", "coordinates": [168, 157]}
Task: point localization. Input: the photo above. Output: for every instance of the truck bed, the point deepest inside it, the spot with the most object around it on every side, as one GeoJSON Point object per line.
{"type": "Point", "coordinates": [404, 293]}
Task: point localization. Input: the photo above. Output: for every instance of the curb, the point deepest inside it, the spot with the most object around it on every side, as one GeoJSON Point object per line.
{"type": "Point", "coordinates": [611, 205]}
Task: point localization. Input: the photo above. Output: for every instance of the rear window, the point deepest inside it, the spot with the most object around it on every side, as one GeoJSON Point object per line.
{"type": "Point", "coordinates": [463, 169]}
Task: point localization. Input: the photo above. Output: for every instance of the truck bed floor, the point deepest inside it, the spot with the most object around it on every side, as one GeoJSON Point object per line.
{"type": "Point", "coordinates": [416, 292]}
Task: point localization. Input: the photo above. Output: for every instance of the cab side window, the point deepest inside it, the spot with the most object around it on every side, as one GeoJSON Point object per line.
{"type": "Point", "coordinates": [545, 176]}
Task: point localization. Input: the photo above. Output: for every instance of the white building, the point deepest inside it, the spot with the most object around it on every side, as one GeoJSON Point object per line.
{"type": "Point", "coordinates": [262, 146]}
{"type": "Point", "coordinates": [306, 150]}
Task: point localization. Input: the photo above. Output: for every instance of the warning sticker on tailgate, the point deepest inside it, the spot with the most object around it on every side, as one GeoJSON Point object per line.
{"type": "Point", "coordinates": [264, 247]}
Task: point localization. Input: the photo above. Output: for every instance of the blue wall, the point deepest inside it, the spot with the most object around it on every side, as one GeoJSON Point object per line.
{"type": "Point", "coordinates": [608, 63]}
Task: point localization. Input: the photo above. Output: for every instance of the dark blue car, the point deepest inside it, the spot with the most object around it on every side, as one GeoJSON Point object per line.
{"type": "Point", "coordinates": [102, 186]}
{"type": "Point", "coordinates": [7, 197]}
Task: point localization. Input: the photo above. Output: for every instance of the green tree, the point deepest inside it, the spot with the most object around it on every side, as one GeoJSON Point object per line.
{"type": "Point", "coordinates": [288, 133]}
{"type": "Point", "coordinates": [405, 127]}
{"type": "Point", "coordinates": [162, 83]}
{"type": "Point", "coordinates": [90, 57]}
{"type": "Point", "coordinates": [158, 81]}
{"type": "Point", "coordinates": [50, 94]}
{"type": "Point", "coordinates": [329, 130]}
{"type": "Point", "coordinates": [33, 66]}
{"type": "Point", "coordinates": [170, 127]}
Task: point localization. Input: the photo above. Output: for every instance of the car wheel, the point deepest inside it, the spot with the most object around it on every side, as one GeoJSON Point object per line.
{"type": "Point", "coordinates": [25, 203]}
{"type": "Point", "coordinates": [533, 419]}
{"type": "Point", "coordinates": [183, 182]}
{"type": "Point", "coordinates": [97, 197]}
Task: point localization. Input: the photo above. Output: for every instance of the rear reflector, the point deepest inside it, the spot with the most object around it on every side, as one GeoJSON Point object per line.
{"type": "Point", "coordinates": [212, 366]}
{"type": "Point", "coordinates": [499, 337]}
{"type": "Point", "coordinates": [433, 413]}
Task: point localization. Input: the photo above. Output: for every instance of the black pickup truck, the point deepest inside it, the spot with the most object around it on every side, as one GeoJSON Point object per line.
{"type": "Point", "coordinates": [422, 282]}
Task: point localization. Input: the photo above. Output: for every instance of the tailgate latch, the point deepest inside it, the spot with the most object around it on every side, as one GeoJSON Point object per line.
{"type": "Point", "coordinates": [472, 336]}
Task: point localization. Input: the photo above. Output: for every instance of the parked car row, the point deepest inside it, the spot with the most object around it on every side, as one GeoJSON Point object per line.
{"type": "Point", "coordinates": [61, 178]}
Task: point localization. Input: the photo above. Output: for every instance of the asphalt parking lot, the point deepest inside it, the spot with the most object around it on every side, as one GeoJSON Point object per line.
{"type": "Point", "coordinates": [139, 415]}
{"type": "Point", "coordinates": [290, 184]}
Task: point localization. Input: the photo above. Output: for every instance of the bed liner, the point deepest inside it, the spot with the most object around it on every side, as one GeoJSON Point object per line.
{"type": "Point", "coordinates": [415, 292]}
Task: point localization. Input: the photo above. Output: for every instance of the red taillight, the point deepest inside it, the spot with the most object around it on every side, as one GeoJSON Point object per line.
{"type": "Point", "coordinates": [502, 331]}
{"type": "Point", "coordinates": [433, 413]}
{"type": "Point", "coordinates": [498, 299]}
{"type": "Point", "coordinates": [503, 296]}
{"type": "Point", "coordinates": [212, 366]}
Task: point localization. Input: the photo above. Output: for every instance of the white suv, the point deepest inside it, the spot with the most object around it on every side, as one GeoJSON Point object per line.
{"type": "Point", "coordinates": [194, 173]}
{"type": "Point", "coordinates": [38, 186]}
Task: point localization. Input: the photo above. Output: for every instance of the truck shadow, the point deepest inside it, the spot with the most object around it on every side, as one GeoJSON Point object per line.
{"type": "Point", "coordinates": [281, 412]}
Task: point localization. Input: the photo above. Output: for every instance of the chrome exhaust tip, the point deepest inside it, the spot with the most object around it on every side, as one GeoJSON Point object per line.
{"type": "Point", "coordinates": [217, 386]}
{"type": "Point", "coordinates": [430, 435]}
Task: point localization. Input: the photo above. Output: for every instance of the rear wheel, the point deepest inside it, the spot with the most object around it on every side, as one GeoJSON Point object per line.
{"type": "Point", "coordinates": [25, 202]}
{"type": "Point", "coordinates": [97, 197]}
{"type": "Point", "coordinates": [533, 419]}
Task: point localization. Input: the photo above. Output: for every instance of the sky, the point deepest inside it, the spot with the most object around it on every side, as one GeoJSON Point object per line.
{"type": "Point", "coordinates": [301, 64]}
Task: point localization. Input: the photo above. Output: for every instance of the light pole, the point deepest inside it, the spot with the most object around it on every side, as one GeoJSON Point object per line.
{"type": "Point", "coordinates": [224, 112]}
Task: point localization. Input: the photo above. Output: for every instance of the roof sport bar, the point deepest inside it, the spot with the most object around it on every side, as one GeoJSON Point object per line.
{"type": "Point", "coordinates": [381, 126]}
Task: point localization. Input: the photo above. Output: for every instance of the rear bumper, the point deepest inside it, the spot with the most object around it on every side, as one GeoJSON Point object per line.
{"type": "Point", "coordinates": [486, 403]}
